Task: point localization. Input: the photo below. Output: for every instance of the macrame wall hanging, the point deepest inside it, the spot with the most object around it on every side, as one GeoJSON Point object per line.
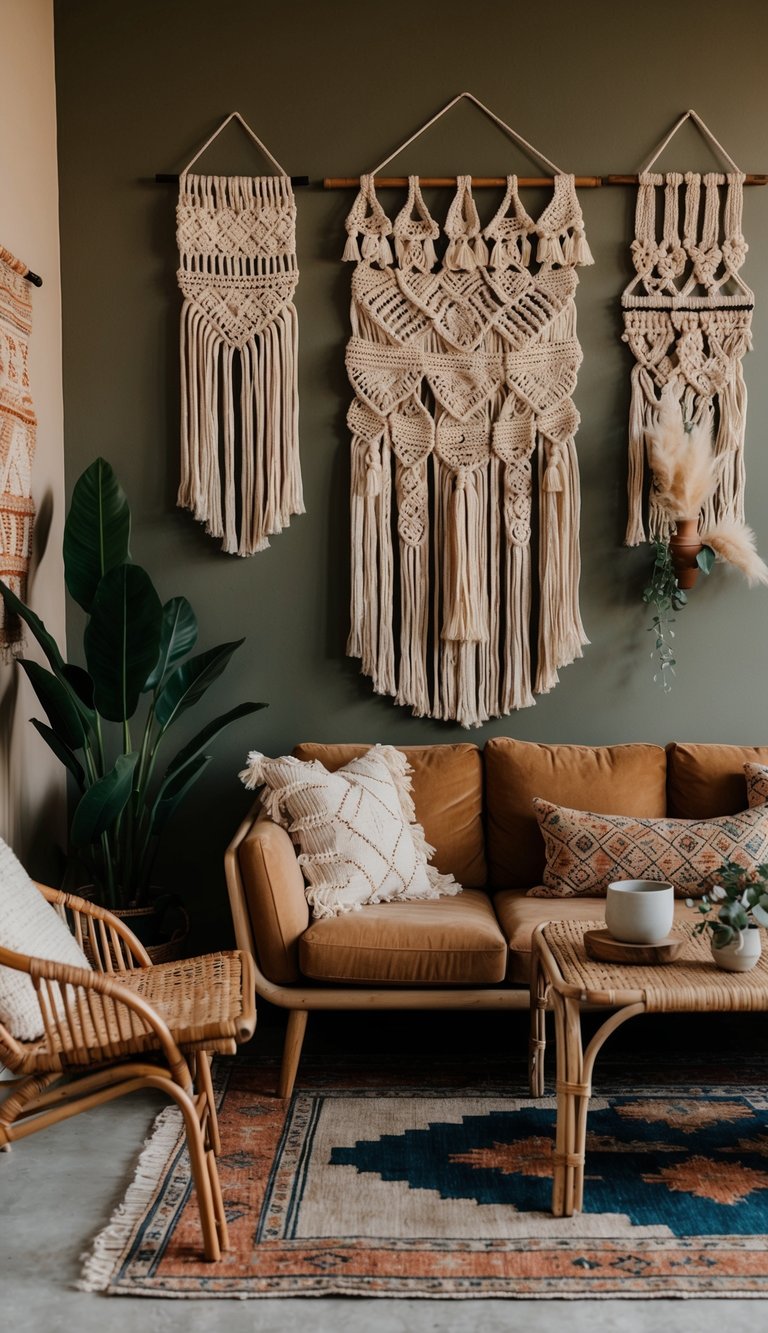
{"type": "Point", "coordinates": [687, 320]}
{"type": "Point", "coordinates": [240, 468]}
{"type": "Point", "coordinates": [462, 425]}
{"type": "Point", "coordinates": [17, 440]}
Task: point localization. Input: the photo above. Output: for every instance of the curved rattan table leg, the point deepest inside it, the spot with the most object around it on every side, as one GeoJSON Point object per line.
{"type": "Point", "coordinates": [537, 1043]}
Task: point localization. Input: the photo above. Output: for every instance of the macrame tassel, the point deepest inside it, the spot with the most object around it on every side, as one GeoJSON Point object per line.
{"type": "Point", "coordinates": [414, 619]}
{"type": "Point", "coordinates": [556, 618]}
{"type": "Point", "coordinates": [465, 619]}
{"type": "Point", "coordinates": [371, 248]}
{"type": "Point", "coordinates": [430, 256]}
{"type": "Point", "coordinates": [499, 255]}
{"type": "Point", "coordinates": [351, 253]}
{"type": "Point", "coordinates": [480, 250]}
{"type": "Point", "coordinates": [641, 385]}
{"type": "Point", "coordinates": [459, 256]}
{"type": "Point", "coordinates": [728, 499]}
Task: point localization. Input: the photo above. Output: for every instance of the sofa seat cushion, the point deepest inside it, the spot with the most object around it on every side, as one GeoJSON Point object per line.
{"type": "Point", "coordinates": [707, 780]}
{"type": "Point", "coordinates": [519, 916]}
{"type": "Point", "coordinates": [448, 941]}
{"type": "Point", "coordinates": [447, 786]}
{"type": "Point", "coordinates": [611, 779]}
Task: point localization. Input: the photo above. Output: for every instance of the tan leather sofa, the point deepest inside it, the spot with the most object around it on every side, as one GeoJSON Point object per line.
{"type": "Point", "coordinates": [471, 951]}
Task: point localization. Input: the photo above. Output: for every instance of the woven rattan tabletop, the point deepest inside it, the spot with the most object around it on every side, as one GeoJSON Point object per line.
{"type": "Point", "coordinates": [693, 983]}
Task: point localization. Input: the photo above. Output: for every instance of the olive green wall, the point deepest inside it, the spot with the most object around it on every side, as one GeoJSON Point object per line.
{"type": "Point", "coordinates": [331, 88]}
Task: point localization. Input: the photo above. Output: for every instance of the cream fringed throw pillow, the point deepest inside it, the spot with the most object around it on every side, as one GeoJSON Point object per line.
{"type": "Point", "coordinates": [585, 851]}
{"type": "Point", "coordinates": [30, 925]}
{"type": "Point", "coordinates": [355, 829]}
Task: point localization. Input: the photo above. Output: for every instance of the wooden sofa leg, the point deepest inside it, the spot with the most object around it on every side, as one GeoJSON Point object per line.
{"type": "Point", "coordinates": [294, 1040]}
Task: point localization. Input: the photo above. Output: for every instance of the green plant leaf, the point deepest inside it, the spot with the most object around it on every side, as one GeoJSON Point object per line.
{"type": "Point", "coordinates": [177, 638]}
{"type": "Point", "coordinates": [101, 804]}
{"type": "Point", "coordinates": [705, 559]}
{"type": "Point", "coordinates": [760, 915]}
{"type": "Point", "coordinates": [34, 624]}
{"type": "Point", "coordinates": [122, 639]}
{"type": "Point", "coordinates": [174, 789]}
{"type": "Point", "coordinates": [188, 682]}
{"type": "Point", "coordinates": [96, 533]}
{"type": "Point", "coordinates": [59, 702]}
{"type": "Point", "coordinates": [62, 751]}
{"type": "Point", "coordinates": [722, 935]}
{"type": "Point", "coordinates": [204, 737]}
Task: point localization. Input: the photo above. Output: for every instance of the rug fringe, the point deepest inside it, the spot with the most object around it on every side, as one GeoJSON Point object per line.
{"type": "Point", "coordinates": [102, 1261]}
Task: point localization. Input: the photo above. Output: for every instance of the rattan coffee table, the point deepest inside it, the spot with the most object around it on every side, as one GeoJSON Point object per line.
{"type": "Point", "coordinates": [563, 975]}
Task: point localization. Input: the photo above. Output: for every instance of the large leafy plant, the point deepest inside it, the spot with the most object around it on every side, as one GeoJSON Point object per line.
{"type": "Point", "coordinates": [109, 722]}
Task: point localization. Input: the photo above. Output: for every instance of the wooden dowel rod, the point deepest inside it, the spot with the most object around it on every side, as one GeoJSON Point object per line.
{"type": "Point", "coordinates": [488, 182]}
{"type": "Point", "coordinates": [752, 179]}
{"type": "Point", "coordinates": [449, 182]}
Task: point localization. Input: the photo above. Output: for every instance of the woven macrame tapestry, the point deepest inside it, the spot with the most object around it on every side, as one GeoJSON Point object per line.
{"type": "Point", "coordinates": [462, 426]}
{"type": "Point", "coordinates": [17, 440]}
{"type": "Point", "coordinates": [240, 468]}
{"type": "Point", "coordinates": [687, 320]}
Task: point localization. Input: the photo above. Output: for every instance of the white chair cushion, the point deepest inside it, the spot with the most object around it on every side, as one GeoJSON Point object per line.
{"type": "Point", "coordinates": [30, 925]}
{"type": "Point", "coordinates": [355, 829]}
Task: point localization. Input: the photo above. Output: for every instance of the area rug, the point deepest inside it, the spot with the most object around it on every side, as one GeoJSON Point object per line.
{"type": "Point", "coordinates": [394, 1182]}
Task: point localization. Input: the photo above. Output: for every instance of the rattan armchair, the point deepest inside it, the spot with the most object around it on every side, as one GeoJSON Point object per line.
{"type": "Point", "coordinates": [124, 1026]}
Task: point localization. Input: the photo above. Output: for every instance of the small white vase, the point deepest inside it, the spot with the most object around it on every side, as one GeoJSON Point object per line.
{"type": "Point", "coordinates": [741, 954]}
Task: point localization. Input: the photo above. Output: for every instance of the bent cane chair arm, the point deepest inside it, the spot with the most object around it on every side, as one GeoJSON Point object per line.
{"type": "Point", "coordinates": [112, 945]}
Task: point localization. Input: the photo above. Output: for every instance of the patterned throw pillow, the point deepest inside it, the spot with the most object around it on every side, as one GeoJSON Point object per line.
{"type": "Point", "coordinates": [585, 851]}
{"type": "Point", "coordinates": [30, 925]}
{"type": "Point", "coordinates": [355, 829]}
{"type": "Point", "coordinates": [757, 785]}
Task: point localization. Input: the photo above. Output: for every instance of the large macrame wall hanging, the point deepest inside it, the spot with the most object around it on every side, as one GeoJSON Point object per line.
{"type": "Point", "coordinates": [17, 440]}
{"type": "Point", "coordinates": [240, 468]}
{"type": "Point", "coordinates": [687, 320]}
{"type": "Point", "coordinates": [462, 425]}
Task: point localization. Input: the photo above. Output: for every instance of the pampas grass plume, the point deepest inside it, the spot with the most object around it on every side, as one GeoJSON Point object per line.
{"type": "Point", "coordinates": [685, 469]}
{"type": "Point", "coordinates": [735, 542]}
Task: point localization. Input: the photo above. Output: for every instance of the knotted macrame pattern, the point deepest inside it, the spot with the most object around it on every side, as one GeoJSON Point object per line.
{"type": "Point", "coordinates": [687, 320]}
{"type": "Point", "coordinates": [17, 440]}
{"type": "Point", "coordinates": [240, 469]}
{"type": "Point", "coordinates": [462, 423]}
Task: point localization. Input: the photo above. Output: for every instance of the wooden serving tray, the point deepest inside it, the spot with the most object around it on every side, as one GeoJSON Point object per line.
{"type": "Point", "coordinates": [601, 946]}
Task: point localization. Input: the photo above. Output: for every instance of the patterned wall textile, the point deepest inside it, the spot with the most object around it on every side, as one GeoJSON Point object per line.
{"type": "Point", "coordinates": [239, 349]}
{"type": "Point", "coordinates": [462, 425]}
{"type": "Point", "coordinates": [17, 439]}
{"type": "Point", "coordinates": [687, 320]}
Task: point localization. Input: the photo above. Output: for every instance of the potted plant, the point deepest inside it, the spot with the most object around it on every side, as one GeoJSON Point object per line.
{"type": "Point", "coordinates": [685, 470]}
{"type": "Point", "coordinates": [109, 722]}
{"type": "Point", "coordinates": [739, 901]}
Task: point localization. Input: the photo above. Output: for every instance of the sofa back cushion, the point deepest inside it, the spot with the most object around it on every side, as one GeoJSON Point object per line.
{"type": "Point", "coordinates": [447, 787]}
{"type": "Point", "coordinates": [708, 780]}
{"type": "Point", "coordinates": [610, 779]}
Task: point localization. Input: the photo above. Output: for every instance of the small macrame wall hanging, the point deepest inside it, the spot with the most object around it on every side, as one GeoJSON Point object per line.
{"type": "Point", "coordinates": [240, 467]}
{"type": "Point", "coordinates": [687, 321]}
{"type": "Point", "coordinates": [17, 440]}
{"type": "Point", "coordinates": [462, 429]}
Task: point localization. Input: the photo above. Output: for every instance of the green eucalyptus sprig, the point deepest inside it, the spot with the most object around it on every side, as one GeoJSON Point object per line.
{"type": "Point", "coordinates": [740, 899]}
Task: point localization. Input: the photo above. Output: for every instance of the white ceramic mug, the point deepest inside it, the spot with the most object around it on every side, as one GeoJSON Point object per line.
{"type": "Point", "coordinates": [639, 911]}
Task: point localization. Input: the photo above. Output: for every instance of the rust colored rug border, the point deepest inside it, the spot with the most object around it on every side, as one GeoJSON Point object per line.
{"type": "Point", "coordinates": [275, 1166]}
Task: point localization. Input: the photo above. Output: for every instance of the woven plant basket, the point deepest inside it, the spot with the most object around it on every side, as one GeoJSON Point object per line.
{"type": "Point", "coordinates": [140, 920]}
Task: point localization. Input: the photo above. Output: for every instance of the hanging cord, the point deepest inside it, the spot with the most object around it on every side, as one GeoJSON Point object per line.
{"type": "Point", "coordinates": [518, 138]}
{"type": "Point", "coordinates": [704, 130]}
{"type": "Point", "coordinates": [235, 115]}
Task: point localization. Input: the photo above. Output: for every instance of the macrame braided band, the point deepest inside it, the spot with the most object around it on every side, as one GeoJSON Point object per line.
{"type": "Point", "coordinates": [239, 344]}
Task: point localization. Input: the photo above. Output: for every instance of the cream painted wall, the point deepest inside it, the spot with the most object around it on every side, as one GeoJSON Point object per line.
{"type": "Point", "coordinates": [31, 782]}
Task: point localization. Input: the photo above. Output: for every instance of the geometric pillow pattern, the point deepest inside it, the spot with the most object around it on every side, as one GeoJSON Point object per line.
{"type": "Point", "coordinates": [30, 925]}
{"type": "Point", "coordinates": [757, 784]}
{"type": "Point", "coordinates": [355, 830]}
{"type": "Point", "coordinates": [585, 851]}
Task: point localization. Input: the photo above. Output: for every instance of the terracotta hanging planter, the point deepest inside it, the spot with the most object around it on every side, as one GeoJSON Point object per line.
{"type": "Point", "coordinates": [685, 545]}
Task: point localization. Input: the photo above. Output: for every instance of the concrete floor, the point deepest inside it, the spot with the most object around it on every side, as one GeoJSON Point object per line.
{"type": "Point", "coordinates": [59, 1188]}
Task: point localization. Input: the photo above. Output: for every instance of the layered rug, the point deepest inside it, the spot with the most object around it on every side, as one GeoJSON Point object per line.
{"type": "Point", "coordinates": [402, 1182]}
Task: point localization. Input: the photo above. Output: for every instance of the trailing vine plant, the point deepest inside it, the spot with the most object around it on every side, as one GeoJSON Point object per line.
{"type": "Point", "coordinates": [665, 596]}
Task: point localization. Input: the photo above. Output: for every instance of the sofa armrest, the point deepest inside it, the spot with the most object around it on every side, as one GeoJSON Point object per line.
{"type": "Point", "coordinates": [266, 890]}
